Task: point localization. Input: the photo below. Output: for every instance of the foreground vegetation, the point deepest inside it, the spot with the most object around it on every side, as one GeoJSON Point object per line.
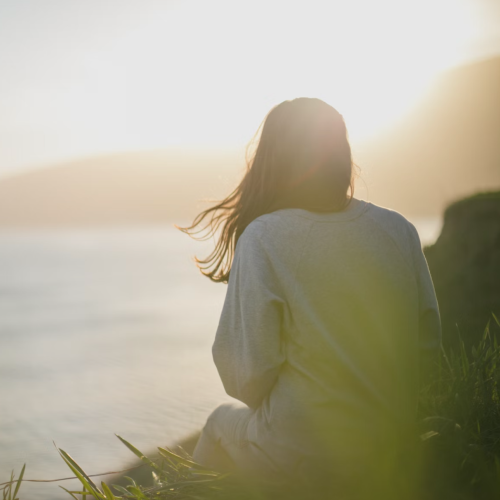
{"type": "Point", "coordinates": [457, 450]}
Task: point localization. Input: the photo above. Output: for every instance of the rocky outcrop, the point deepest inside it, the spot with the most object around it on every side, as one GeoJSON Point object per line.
{"type": "Point", "coordinates": [465, 267]}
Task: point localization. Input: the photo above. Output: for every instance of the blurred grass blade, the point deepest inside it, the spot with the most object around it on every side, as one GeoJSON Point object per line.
{"type": "Point", "coordinates": [19, 480]}
{"type": "Point", "coordinates": [69, 459]}
{"type": "Point", "coordinates": [205, 473]}
{"type": "Point", "coordinates": [138, 453]}
{"type": "Point", "coordinates": [107, 491]}
{"type": "Point", "coordinates": [177, 458]}
{"type": "Point", "coordinates": [495, 318]}
{"type": "Point", "coordinates": [82, 476]}
{"type": "Point", "coordinates": [428, 435]}
{"type": "Point", "coordinates": [137, 492]}
{"type": "Point", "coordinates": [463, 355]}
{"type": "Point", "coordinates": [121, 489]}
{"type": "Point", "coordinates": [131, 447]}
{"type": "Point", "coordinates": [8, 488]}
{"type": "Point", "coordinates": [72, 493]}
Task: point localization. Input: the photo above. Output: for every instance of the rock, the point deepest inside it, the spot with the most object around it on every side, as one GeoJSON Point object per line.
{"type": "Point", "coordinates": [465, 267]}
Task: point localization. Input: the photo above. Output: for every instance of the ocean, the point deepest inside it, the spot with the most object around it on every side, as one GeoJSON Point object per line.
{"type": "Point", "coordinates": [105, 331]}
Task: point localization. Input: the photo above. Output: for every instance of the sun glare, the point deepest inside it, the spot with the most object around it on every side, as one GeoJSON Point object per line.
{"type": "Point", "coordinates": [371, 60]}
{"type": "Point", "coordinates": [198, 73]}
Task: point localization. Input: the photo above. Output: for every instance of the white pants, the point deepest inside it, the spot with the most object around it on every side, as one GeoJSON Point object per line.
{"type": "Point", "coordinates": [224, 444]}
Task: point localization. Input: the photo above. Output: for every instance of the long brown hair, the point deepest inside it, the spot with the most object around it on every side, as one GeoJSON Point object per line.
{"type": "Point", "coordinates": [302, 160]}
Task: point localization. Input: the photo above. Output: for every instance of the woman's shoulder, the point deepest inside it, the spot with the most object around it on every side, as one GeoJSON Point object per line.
{"type": "Point", "coordinates": [271, 225]}
{"type": "Point", "coordinates": [278, 234]}
{"type": "Point", "coordinates": [286, 226]}
{"type": "Point", "coordinates": [390, 218]}
{"type": "Point", "coordinates": [399, 229]}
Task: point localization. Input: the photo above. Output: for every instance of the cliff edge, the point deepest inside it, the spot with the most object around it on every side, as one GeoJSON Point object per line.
{"type": "Point", "coordinates": [465, 267]}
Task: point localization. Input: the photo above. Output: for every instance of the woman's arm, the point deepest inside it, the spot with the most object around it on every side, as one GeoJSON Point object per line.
{"type": "Point", "coordinates": [430, 334]}
{"type": "Point", "coordinates": [247, 349]}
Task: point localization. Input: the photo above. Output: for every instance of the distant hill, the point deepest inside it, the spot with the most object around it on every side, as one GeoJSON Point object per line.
{"type": "Point", "coordinates": [447, 147]}
{"type": "Point", "coordinates": [128, 188]}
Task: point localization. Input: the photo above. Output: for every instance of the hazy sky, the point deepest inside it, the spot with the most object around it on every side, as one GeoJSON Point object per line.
{"type": "Point", "coordinates": [84, 77]}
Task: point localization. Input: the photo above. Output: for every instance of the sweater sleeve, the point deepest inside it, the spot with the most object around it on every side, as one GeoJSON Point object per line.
{"type": "Point", "coordinates": [430, 335]}
{"type": "Point", "coordinates": [247, 349]}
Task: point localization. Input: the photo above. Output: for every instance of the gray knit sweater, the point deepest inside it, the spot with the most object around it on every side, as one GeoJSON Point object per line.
{"type": "Point", "coordinates": [325, 317]}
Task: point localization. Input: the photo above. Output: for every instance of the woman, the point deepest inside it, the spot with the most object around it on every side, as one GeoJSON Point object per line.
{"type": "Point", "coordinates": [329, 306]}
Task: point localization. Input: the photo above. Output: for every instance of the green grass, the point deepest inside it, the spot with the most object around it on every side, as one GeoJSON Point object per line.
{"type": "Point", "coordinates": [457, 455]}
{"type": "Point", "coordinates": [461, 405]}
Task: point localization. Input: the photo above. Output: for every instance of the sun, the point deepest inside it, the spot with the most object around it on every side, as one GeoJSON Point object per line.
{"type": "Point", "coordinates": [370, 60]}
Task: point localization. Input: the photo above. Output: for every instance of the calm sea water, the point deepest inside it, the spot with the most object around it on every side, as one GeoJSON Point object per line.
{"type": "Point", "coordinates": [104, 331]}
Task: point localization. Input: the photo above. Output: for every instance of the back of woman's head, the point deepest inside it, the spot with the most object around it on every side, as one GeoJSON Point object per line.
{"type": "Point", "coordinates": [302, 159]}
